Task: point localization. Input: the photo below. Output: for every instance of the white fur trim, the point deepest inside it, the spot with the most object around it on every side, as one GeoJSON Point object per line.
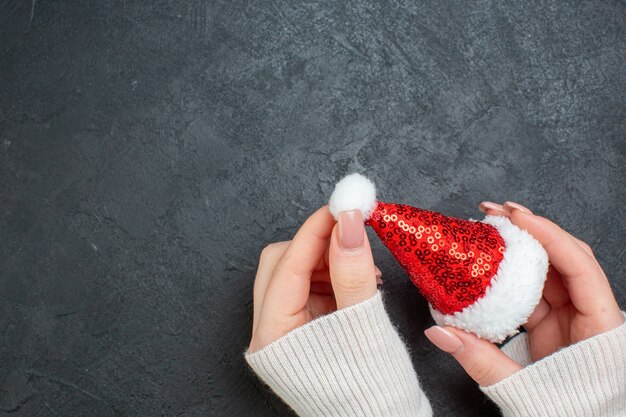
{"type": "Point", "coordinates": [515, 289]}
{"type": "Point", "coordinates": [353, 192]}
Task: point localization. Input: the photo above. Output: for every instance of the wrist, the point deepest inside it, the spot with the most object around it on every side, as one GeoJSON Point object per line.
{"type": "Point", "coordinates": [348, 363]}
{"type": "Point", "coordinates": [586, 378]}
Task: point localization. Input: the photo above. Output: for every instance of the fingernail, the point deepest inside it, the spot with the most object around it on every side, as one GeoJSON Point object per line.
{"type": "Point", "coordinates": [443, 339]}
{"type": "Point", "coordinates": [510, 206]}
{"type": "Point", "coordinates": [351, 230]}
{"type": "Point", "coordinates": [488, 205]}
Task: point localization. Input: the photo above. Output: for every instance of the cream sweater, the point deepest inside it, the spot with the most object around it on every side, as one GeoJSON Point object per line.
{"type": "Point", "coordinates": [353, 363]}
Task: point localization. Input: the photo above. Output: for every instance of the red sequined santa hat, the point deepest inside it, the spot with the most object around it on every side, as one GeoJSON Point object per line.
{"type": "Point", "coordinates": [485, 276]}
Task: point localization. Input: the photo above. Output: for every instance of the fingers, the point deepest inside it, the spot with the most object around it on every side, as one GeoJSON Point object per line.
{"type": "Point", "coordinates": [288, 290]}
{"type": "Point", "coordinates": [582, 276]}
{"type": "Point", "coordinates": [509, 207]}
{"type": "Point", "coordinates": [554, 291]}
{"type": "Point", "coordinates": [584, 247]}
{"type": "Point", "coordinates": [540, 313]}
{"type": "Point", "coordinates": [319, 305]}
{"type": "Point", "coordinates": [352, 270]}
{"type": "Point", "coordinates": [270, 256]}
{"type": "Point", "coordinates": [492, 209]}
{"type": "Point", "coordinates": [482, 360]}
{"type": "Point", "coordinates": [495, 209]}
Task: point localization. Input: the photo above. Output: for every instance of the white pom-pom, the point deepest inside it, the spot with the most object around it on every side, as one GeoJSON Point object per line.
{"type": "Point", "coordinates": [353, 192]}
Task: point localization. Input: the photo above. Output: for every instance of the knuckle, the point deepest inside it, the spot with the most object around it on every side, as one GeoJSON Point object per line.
{"type": "Point", "coordinates": [350, 283]}
{"type": "Point", "coordinates": [586, 247]}
{"type": "Point", "coordinates": [266, 252]}
{"type": "Point", "coordinates": [481, 370]}
{"type": "Point", "coordinates": [272, 250]}
{"type": "Point", "coordinates": [355, 285]}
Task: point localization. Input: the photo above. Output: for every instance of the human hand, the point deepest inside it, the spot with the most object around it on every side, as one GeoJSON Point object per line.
{"type": "Point", "coordinates": [327, 266]}
{"type": "Point", "coordinates": [577, 302]}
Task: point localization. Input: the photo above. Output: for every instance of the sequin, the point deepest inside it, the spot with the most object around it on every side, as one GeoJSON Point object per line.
{"type": "Point", "coordinates": [450, 279]}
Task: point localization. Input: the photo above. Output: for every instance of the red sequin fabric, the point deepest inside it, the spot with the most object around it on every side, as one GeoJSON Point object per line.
{"type": "Point", "coordinates": [451, 261]}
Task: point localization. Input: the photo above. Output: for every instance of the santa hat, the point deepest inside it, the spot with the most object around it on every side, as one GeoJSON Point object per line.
{"type": "Point", "coordinates": [485, 276]}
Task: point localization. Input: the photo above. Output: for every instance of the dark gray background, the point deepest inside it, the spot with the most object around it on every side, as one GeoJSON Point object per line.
{"type": "Point", "coordinates": [149, 150]}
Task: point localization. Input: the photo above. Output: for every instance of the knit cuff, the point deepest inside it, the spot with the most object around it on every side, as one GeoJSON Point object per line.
{"type": "Point", "coordinates": [584, 379]}
{"type": "Point", "coordinates": [518, 349]}
{"type": "Point", "coordinates": [348, 363]}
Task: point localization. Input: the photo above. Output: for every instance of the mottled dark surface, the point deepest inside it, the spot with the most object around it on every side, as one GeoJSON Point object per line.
{"type": "Point", "coordinates": [149, 150]}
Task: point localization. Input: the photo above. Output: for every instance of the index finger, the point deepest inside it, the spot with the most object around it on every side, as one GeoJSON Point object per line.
{"type": "Point", "coordinates": [585, 281]}
{"type": "Point", "coordinates": [289, 287]}
{"type": "Point", "coordinates": [270, 256]}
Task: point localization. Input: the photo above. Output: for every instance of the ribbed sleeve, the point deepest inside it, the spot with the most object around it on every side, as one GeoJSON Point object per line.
{"type": "Point", "coordinates": [585, 379]}
{"type": "Point", "coordinates": [518, 349]}
{"type": "Point", "coordinates": [348, 363]}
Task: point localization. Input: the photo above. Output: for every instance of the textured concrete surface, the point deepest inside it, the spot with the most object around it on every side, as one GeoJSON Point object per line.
{"type": "Point", "coordinates": [149, 150]}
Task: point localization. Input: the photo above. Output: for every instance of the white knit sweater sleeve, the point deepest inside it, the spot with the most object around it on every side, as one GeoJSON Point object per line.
{"type": "Point", "coordinates": [585, 379]}
{"type": "Point", "coordinates": [348, 363]}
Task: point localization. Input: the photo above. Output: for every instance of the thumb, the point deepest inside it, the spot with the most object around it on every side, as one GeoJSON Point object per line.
{"type": "Point", "coordinates": [482, 360]}
{"type": "Point", "coordinates": [350, 261]}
